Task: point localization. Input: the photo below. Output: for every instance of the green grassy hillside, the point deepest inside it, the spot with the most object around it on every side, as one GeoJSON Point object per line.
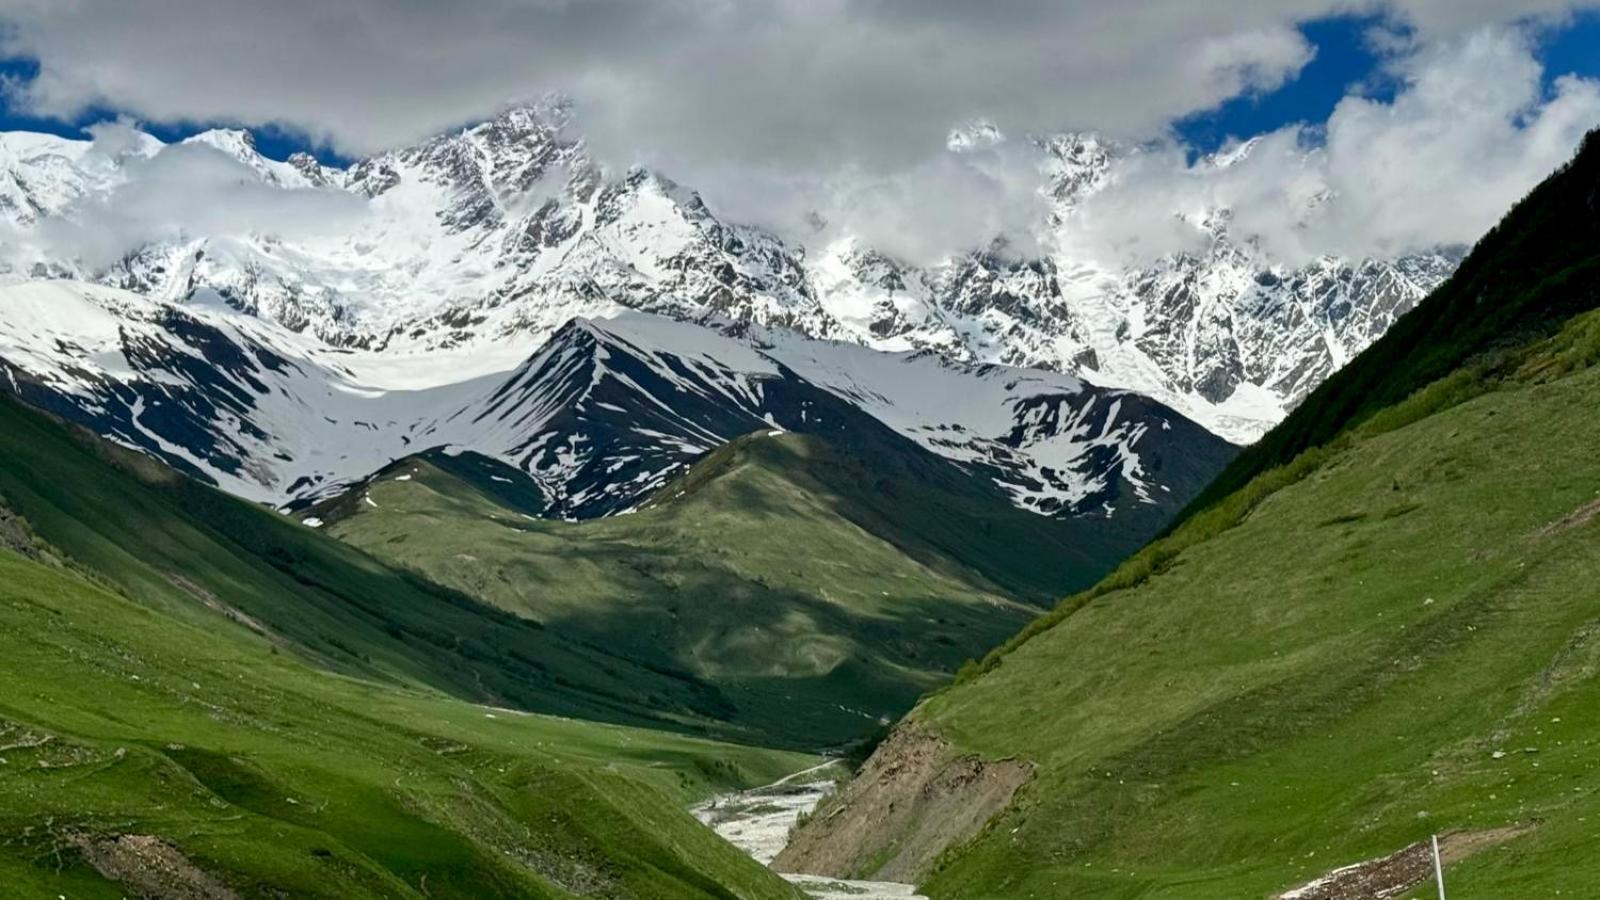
{"type": "Point", "coordinates": [769, 570]}
{"type": "Point", "coordinates": [174, 753]}
{"type": "Point", "coordinates": [130, 740]}
{"type": "Point", "coordinates": [1389, 635]}
{"type": "Point", "coordinates": [205, 557]}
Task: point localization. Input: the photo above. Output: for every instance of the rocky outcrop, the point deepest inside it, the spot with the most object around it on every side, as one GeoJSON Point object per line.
{"type": "Point", "coordinates": [149, 867]}
{"type": "Point", "coordinates": [916, 796]}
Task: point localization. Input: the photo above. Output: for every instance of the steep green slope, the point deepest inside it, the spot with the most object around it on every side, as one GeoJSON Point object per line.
{"type": "Point", "coordinates": [764, 570]}
{"type": "Point", "coordinates": [198, 554]}
{"type": "Point", "coordinates": [142, 755]}
{"type": "Point", "coordinates": [1392, 635]}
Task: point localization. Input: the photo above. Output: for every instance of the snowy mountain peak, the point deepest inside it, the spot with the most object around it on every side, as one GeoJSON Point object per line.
{"type": "Point", "coordinates": [314, 172]}
{"type": "Point", "coordinates": [240, 145]}
{"type": "Point", "coordinates": [977, 135]}
{"type": "Point", "coordinates": [1232, 155]}
{"type": "Point", "coordinates": [501, 232]}
{"type": "Point", "coordinates": [236, 142]}
{"type": "Point", "coordinates": [597, 418]}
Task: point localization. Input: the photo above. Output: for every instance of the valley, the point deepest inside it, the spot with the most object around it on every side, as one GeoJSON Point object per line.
{"type": "Point", "coordinates": [1383, 635]}
{"type": "Point", "coordinates": [477, 510]}
{"type": "Point", "coordinates": [169, 751]}
{"type": "Point", "coordinates": [775, 539]}
{"type": "Point", "coordinates": [815, 631]}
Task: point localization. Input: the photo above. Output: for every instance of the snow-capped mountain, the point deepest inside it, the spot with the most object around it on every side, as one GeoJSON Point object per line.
{"type": "Point", "coordinates": [501, 233]}
{"type": "Point", "coordinates": [598, 418]}
{"type": "Point", "coordinates": [503, 230]}
{"type": "Point", "coordinates": [1225, 334]}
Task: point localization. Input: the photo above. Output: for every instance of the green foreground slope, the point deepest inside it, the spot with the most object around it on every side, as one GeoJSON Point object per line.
{"type": "Point", "coordinates": [174, 722]}
{"type": "Point", "coordinates": [143, 756]}
{"type": "Point", "coordinates": [1396, 633]}
{"type": "Point", "coordinates": [202, 556]}
{"type": "Point", "coordinates": [749, 572]}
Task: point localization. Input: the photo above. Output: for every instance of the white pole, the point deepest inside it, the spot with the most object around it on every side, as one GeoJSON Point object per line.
{"type": "Point", "coordinates": [1438, 867]}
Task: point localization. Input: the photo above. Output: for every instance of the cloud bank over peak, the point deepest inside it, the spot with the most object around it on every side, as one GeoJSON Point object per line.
{"type": "Point", "coordinates": [786, 111]}
{"type": "Point", "coordinates": [799, 83]}
{"type": "Point", "coordinates": [1470, 130]}
{"type": "Point", "coordinates": [172, 193]}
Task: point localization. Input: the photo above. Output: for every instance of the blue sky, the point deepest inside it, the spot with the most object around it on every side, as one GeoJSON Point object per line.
{"type": "Point", "coordinates": [1346, 63]}
{"type": "Point", "coordinates": [273, 142]}
{"type": "Point", "coordinates": [1574, 49]}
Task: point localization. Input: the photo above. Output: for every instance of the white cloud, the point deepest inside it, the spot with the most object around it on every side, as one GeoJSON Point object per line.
{"type": "Point", "coordinates": [953, 202]}
{"type": "Point", "coordinates": [1468, 134]}
{"type": "Point", "coordinates": [182, 191]}
{"type": "Point", "coordinates": [802, 83]}
{"type": "Point", "coordinates": [956, 200]}
{"type": "Point", "coordinates": [780, 108]}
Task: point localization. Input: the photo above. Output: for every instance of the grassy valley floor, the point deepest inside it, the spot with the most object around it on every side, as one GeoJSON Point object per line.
{"type": "Point", "coordinates": [204, 699]}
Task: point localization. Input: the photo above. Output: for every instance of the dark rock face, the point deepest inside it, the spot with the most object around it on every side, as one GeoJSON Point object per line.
{"type": "Point", "coordinates": [595, 421]}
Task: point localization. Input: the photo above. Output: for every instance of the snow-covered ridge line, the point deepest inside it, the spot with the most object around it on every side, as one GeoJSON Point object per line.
{"type": "Point", "coordinates": [497, 235]}
{"type": "Point", "coordinates": [598, 417]}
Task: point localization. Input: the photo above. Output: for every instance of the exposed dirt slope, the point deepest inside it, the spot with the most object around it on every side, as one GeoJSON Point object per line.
{"type": "Point", "coordinates": [915, 797]}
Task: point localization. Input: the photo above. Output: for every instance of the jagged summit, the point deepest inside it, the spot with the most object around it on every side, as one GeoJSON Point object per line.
{"type": "Point", "coordinates": [596, 418]}
{"type": "Point", "coordinates": [502, 231]}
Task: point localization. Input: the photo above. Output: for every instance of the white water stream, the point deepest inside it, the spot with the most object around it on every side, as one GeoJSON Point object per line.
{"type": "Point", "coordinates": [757, 821]}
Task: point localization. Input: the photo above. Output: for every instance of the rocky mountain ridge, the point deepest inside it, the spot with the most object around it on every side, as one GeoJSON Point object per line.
{"type": "Point", "coordinates": [598, 418]}
{"type": "Point", "coordinates": [503, 232]}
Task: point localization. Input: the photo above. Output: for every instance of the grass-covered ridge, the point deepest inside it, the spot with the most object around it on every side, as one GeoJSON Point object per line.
{"type": "Point", "coordinates": [1389, 632]}
{"type": "Point", "coordinates": [158, 739]}
{"type": "Point", "coordinates": [203, 556]}
{"type": "Point", "coordinates": [1327, 674]}
{"type": "Point", "coordinates": [810, 588]}
{"type": "Point", "coordinates": [1398, 640]}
